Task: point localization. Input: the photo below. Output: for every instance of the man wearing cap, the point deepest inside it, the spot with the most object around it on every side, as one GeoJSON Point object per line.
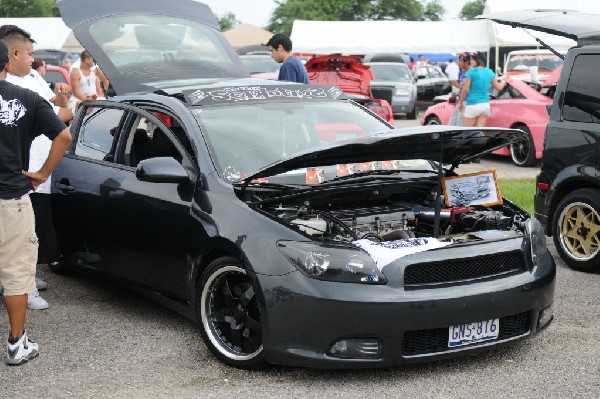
{"type": "Point", "coordinates": [292, 70]}
{"type": "Point", "coordinates": [23, 116]}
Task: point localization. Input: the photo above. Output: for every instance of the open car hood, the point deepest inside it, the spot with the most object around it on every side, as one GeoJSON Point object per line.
{"type": "Point", "coordinates": [581, 27]}
{"type": "Point", "coordinates": [152, 46]}
{"type": "Point", "coordinates": [346, 72]}
{"type": "Point", "coordinates": [448, 144]}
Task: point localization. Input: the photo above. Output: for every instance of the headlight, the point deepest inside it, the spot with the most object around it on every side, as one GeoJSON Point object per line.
{"type": "Point", "coordinates": [535, 231]}
{"type": "Point", "coordinates": [401, 92]}
{"type": "Point", "coordinates": [332, 263]}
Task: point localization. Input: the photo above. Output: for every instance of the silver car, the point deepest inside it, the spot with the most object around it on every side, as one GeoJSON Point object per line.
{"type": "Point", "coordinates": [394, 83]}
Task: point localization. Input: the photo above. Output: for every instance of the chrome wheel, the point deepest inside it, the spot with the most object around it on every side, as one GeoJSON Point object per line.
{"type": "Point", "coordinates": [230, 316]}
{"type": "Point", "coordinates": [579, 226]}
{"type": "Point", "coordinates": [434, 120]}
{"type": "Point", "coordinates": [523, 152]}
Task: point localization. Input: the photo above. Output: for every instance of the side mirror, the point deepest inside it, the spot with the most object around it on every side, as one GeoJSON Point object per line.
{"type": "Point", "coordinates": [161, 170]}
{"type": "Point", "coordinates": [421, 77]}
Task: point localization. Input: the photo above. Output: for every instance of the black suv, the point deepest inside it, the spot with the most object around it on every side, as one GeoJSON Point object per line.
{"type": "Point", "coordinates": [567, 200]}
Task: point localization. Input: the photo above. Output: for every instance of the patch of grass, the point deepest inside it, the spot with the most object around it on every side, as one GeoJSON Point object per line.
{"type": "Point", "coordinates": [519, 191]}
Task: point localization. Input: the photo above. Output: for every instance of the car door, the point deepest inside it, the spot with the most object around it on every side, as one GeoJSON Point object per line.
{"type": "Point", "coordinates": [425, 84]}
{"type": "Point", "coordinates": [108, 219]}
{"type": "Point", "coordinates": [440, 81]}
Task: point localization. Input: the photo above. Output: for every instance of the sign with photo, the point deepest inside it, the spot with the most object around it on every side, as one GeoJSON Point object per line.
{"type": "Point", "coordinates": [480, 188]}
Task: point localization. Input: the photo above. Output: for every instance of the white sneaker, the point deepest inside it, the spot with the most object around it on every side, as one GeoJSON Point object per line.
{"type": "Point", "coordinates": [21, 351]}
{"type": "Point", "coordinates": [35, 301]}
{"type": "Point", "coordinates": [40, 284]}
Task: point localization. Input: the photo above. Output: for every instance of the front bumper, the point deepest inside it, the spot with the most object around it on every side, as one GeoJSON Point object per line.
{"type": "Point", "coordinates": [402, 105]}
{"type": "Point", "coordinates": [304, 317]}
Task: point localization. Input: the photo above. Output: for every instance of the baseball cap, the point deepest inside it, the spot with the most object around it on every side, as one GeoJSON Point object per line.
{"type": "Point", "coordinates": [478, 55]}
{"type": "Point", "coordinates": [465, 56]}
{"type": "Point", "coordinates": [3, 53]}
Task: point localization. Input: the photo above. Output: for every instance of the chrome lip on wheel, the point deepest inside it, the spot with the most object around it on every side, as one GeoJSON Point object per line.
{"type": "Point", "coordinates": [519, 152]}
{"type": "Point", "coordinates": [230, 314]}
{"type": "Point", "coordinates": [579, 231]}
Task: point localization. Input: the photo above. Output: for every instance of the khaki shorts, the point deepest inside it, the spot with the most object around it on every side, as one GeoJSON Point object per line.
{"type": "Point", "coordinates": [18, 246]}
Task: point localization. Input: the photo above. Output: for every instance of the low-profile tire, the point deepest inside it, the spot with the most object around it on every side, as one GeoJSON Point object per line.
{"type": "Point", "coordinates": [523, 152]}
{"type": "Point", "coordinates": [413, 114]}
{"type": "Point", "coordinates": [576, 230]}
{"type": "Point", "coordinates": [229, 314]}
{"type": "Point", "coordinates": [433, 120]}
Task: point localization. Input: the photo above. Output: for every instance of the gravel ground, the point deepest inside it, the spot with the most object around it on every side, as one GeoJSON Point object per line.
{"type": "Point", "coordinates": [100, 340]}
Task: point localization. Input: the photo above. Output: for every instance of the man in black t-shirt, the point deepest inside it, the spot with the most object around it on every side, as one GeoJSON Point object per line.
{"type": "Point", "coordinates": [23, 116]}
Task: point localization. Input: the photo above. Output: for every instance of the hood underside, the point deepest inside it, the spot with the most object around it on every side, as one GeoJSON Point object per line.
{"type": "Point", "coordinates": [581, 27]}
{"type": "Point", "coordinates": [446, 144]}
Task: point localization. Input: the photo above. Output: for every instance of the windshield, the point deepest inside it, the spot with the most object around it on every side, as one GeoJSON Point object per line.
{"type": "Point", "coordinates": [391, 73]}
{"type": "Point", "coordinates": [259, 64]}
{"type": "Point", "coordinates": [246, 138]}
{"type": "Point", "coordinates": [158, 50]}
{"type": "Point", "coordinates": [544, 62]}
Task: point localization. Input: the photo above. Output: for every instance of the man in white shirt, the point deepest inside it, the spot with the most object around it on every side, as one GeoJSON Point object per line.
{"type": "Point", "coordinates": [20, 47]}
{"type": "Point", "coordinates": [452, 72]}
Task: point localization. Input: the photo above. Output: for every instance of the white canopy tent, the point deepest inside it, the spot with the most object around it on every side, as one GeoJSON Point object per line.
{"type": "Point", "coordinates": [361, 37]}
{"type": "Point", "coordinates": [49, 33]}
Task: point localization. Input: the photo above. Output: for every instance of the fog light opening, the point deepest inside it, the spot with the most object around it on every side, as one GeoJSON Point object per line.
{"type": "Point", "coordinates": [546, 316]}
{"type": "Point", "coordinates": [356, 349]}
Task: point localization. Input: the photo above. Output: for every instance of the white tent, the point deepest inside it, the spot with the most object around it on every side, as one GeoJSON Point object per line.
{"type": "Point", "coordinates": [49, 33]}
{"type": "Point", "coordinates": [361, 37]}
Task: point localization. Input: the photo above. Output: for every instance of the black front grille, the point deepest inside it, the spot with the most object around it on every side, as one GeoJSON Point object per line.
{"type": "Point", "coordinates": [382, 94]}
{"type": "Point", "coordinates": [452, 270]}
{"type": "Point", "coordinates": [421, 342]}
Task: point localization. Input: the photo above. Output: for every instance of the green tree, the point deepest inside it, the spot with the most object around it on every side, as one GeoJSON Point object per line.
{"type": "Point", "coordinates": [228, 21]}
{"type": "Point", "coordinates": [434, 11]}
{"type": "Point", "coordinates": [287, 11]}
{"type": "Point", "coordinates": [28, 8]}
{"type": "Point", "coordinates": [471, 9]}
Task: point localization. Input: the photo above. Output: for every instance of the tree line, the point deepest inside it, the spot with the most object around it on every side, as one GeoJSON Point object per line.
{"type": "Point", "coordinates": [287, 11]}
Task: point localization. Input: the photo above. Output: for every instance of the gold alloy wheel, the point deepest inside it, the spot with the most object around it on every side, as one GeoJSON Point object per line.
{"type": "Point", "coordinates": [580, 231]}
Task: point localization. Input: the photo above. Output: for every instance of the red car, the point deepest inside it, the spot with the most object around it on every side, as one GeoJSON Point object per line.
{"type": "Point", "coordinates": [55, 74]}
{"type": "Point", "coordinates": [517, 106]}
{"type": "Point", "coordinates": [352, 77]}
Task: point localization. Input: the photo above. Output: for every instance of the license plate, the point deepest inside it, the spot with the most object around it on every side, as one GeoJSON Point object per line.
{"type": "Point", "coordinates": [470, 333]}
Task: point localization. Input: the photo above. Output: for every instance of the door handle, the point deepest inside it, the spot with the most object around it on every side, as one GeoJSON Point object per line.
{"type": "Point", "coordinates": [64, 186]}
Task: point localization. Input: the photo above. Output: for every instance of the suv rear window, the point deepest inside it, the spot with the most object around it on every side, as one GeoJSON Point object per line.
{"type": "Point", "coordinates": [582, 97]}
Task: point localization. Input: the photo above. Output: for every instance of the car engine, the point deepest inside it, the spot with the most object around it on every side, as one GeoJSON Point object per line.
{"type": "Point", "coordinates": [395, 220]}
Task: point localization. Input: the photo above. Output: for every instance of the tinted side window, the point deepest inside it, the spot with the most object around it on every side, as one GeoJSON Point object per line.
{"type": "Point", "coordinates": [582, 97]}
{"type": "Point", "coordinates": [97, 133]}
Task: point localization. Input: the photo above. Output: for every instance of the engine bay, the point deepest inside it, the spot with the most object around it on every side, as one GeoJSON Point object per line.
{"type": "Point", "coordinates": [388, 215]}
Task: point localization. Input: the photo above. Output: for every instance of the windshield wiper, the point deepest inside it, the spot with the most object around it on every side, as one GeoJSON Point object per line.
{"type": "Point", "coordinates": [274, 185]}
{"type": "Point", "coordinates": [364, 173]}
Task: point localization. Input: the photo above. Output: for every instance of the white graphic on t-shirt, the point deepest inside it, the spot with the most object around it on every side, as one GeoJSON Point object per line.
{"type": "Point", "coordinates": [11, 111]}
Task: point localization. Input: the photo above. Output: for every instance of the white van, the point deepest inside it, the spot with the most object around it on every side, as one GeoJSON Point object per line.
{"type": "Point", "coordinates": [531, 65]}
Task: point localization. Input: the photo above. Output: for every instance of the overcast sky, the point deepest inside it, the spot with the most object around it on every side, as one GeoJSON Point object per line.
{"type": "Point", "coordinates": [258, 12]}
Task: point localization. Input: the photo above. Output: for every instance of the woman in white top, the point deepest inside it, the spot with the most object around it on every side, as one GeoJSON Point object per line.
{"type": "Point", "coordinates": [85, 85]}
